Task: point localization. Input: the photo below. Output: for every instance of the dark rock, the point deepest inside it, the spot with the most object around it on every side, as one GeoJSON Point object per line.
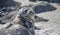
{"type": "Point", "coordinates": [8, 3]}
{"type": "Point", "coordinates": [43, 7]}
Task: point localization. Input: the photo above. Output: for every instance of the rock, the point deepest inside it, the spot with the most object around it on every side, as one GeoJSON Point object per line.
{"type": "Point", "coordinates": [15, 30]}
{"type": "Point", "coordinates": [8, 9]}
{"type": "Point", "coordinates": [43, 6]}
{"type": "Point", "coordinates": [8, 3]}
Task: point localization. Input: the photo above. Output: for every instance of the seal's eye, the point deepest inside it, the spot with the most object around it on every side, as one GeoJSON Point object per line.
{"type": "Point", "coordinates": [24, 13]}
{"type": "Point", "coordinates": [26, 10]}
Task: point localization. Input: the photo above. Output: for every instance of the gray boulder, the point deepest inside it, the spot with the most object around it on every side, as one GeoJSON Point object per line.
{"type": "Point", "coordinates": [43, 6]}
{"type": "Point", "coordinates": [15, 30]}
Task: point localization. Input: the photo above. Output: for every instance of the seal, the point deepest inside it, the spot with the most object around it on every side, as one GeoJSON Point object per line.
{"type": "Point", "coordinates": [25, 17]}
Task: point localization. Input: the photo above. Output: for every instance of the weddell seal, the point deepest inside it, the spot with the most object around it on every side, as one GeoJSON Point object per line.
{"type": "Point", "coordinates": [25, 17]}
{"type": "Point", "coordinates": [23, 24]}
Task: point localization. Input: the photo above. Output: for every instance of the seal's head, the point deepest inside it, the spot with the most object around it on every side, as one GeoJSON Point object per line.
{"type": "Point", "coordinates": [27, 13]}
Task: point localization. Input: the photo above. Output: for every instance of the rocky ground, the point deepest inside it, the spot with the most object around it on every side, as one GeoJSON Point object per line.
{"type": "Point", "coordinates": [50, 12]}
